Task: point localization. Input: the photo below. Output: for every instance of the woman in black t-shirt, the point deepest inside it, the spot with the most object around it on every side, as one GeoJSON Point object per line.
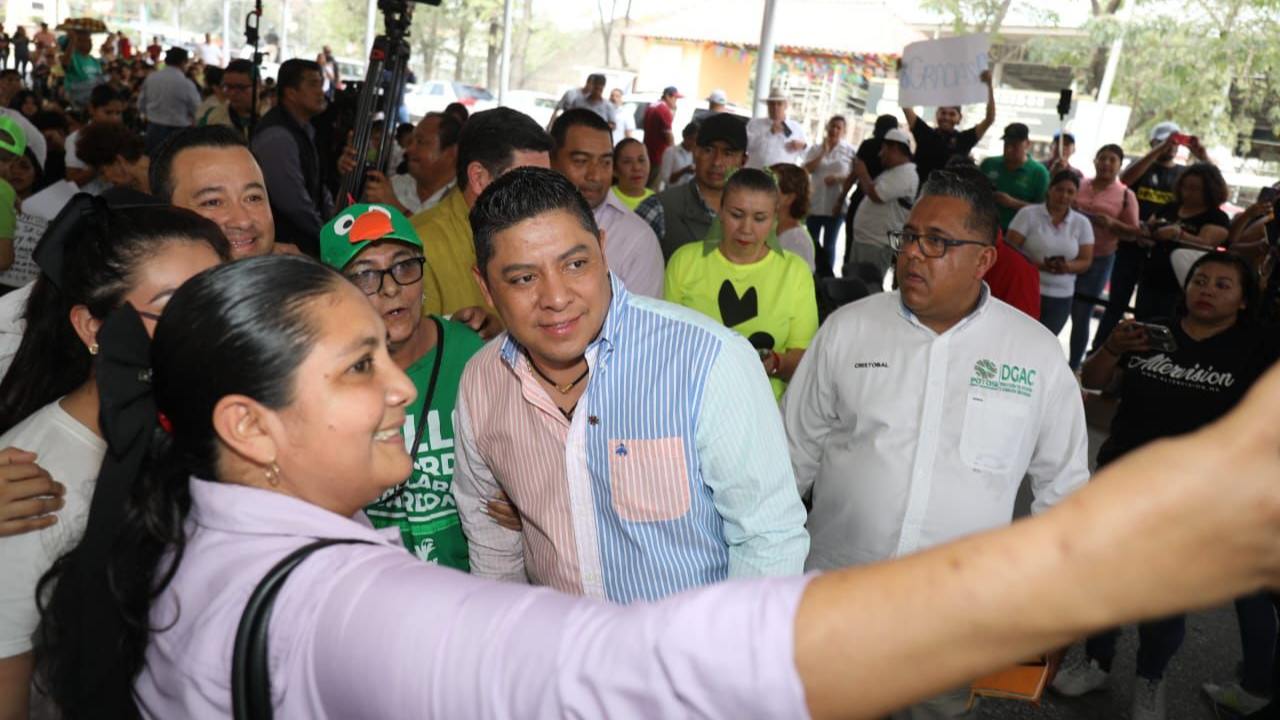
{"type": "Point", "coordinates": [1194, 218]}
{"type": "Point", "coordinates": [1163, 392]}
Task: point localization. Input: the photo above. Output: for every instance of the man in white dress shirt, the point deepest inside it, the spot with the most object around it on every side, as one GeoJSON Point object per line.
{"type": "Point", "coordinates": [582, 153]}
{"type": "Point", "coordinates": [775, 139]}
{"type": "Point", "coordinates": [916, 414]}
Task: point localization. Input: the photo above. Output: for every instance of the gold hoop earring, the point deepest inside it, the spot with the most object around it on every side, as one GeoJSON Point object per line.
{"type": "Point", "coordinates": [93, 349]}
{"type": "Point", "coordinates": [273, 475]}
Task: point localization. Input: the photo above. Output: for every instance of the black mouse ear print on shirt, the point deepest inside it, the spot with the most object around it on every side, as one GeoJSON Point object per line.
{"type": "Point", "coordinates": [735, 310]}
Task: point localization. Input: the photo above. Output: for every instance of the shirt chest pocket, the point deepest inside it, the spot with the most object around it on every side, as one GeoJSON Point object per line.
{"type": "Point", "coordinates": [649, 479]}
{"type": "Point", "coordinates": [994, 427]}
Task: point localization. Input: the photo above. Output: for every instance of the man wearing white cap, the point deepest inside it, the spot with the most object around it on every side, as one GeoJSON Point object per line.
{"type": "Point", "coordinates": [884, 209]}
{"type": "Point", "coordinates": [775, 139]}
{"type": "Point", "coordinates": [717, 102]}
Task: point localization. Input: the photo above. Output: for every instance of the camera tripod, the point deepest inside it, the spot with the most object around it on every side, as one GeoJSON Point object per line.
{"type": "Point", "coordinates": [390, 53]}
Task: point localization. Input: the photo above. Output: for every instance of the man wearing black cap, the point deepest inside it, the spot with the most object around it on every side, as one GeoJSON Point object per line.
{"type": "Point", "coordinates": [1019, 180]}
{"type": "Point", "coordinates": [168, 99]}
{"type": "Point", "coordinates": [935, 145]}
{"type": "Point", "coordinates": [658, 135]}
{"type": "Point", "coordinates": [683, 214]}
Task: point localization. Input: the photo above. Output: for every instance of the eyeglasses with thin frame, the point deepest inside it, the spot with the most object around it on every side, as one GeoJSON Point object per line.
{"type": "Point", "coordinates": [405, 272]}
{"type": "Point", "coordinates": [931, 246]}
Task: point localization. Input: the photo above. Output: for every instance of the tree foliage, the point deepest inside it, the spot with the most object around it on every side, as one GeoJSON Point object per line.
{"type": "Point", "coordinates": [1210, 65]}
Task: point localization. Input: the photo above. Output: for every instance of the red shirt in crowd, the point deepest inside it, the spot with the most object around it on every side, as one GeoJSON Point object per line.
{"type": "Point", "coordinates": [657, 123]}
{"type": "Point", "coordinates": [154, 52]}
{"type": "Point", "coordinates": [1014, 279]}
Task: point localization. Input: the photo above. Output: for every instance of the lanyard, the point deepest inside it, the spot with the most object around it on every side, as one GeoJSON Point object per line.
{"type": "Point", "coordinates": [431, 387]}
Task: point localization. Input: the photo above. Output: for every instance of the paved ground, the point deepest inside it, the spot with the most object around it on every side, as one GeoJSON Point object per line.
{"type": "Point", "coordinates": [1210, 653]}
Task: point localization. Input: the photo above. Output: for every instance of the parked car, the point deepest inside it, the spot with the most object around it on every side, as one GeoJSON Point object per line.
{"type": "Point", "coordinates": [537, 105]}
{"type": "Point", "coordinates": [435, 96]}
{"type": "Point", "coordinates": [350, 70]}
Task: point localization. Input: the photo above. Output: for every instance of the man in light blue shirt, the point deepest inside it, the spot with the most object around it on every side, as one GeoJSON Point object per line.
{"type": "Point", "coordinates": [638, 440]}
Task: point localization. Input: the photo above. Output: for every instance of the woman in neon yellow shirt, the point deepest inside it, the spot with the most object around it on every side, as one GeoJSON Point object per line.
{"type": "Point", "coordinates": [631, 172]}
{"type": "Point", "coordinates": [740, 276]}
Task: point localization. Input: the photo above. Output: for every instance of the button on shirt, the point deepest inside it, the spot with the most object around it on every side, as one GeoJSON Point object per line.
{"type": "Point", "coordinates": [905, 439]}
{"type": "Point", "coordinates": [630, 247]}
{"type": "Point", "coordinates": [370, 631]}
{"type": "Point", "coordinates": [766, 148]}
{"type": "Point", "coordinates": [673, 473]}
{"type": "Point", "coordinates": [169, 98]}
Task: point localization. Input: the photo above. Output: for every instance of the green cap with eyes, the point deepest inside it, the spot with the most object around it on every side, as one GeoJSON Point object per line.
{"type": "Point", "coordinates": [359, 225]}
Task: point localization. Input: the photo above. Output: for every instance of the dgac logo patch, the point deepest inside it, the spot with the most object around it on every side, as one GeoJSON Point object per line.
{"type": "Point", "coordinates": [1004, 377]}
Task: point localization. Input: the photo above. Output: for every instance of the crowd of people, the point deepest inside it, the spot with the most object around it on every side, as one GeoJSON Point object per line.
{"type": "Point", "coordinates": [610, 367]}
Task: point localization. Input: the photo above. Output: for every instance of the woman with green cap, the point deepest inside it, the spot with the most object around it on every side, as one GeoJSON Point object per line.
{"type": "Point", "coordinates": [377, 249]}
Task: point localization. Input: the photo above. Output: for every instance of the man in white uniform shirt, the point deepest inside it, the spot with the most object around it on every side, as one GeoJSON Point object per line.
{"type": "Point", "coordinates": [775, 139]}
{"type": "Point", "coordinates": [888, 199]}
{"type": "Point", "coordinates": [915, 414]}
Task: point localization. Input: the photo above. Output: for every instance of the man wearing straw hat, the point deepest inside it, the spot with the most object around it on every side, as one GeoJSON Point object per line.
{"type": "Point", "coordinates": [775, 139]}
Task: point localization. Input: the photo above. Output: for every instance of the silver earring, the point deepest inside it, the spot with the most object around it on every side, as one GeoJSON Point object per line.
{"type": "Point", "coordinates": [93, 349]}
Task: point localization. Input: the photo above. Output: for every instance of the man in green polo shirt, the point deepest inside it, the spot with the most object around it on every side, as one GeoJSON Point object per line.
{"type": "Point", "coordinates": [376, 248]}
{"type": "Point", "coordinates": [1019, 180]}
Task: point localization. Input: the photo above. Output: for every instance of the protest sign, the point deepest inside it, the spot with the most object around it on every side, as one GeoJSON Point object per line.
{"type": "Point", "coordinates": [27, 234]}
{"type": "Point", "coordinates": [944, 72]}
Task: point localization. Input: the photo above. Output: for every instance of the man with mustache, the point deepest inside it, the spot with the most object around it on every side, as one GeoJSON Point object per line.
{"type": "Point", "coordinates": [582, 152]}
{"type": "Point", "coordinates": [916, 414]}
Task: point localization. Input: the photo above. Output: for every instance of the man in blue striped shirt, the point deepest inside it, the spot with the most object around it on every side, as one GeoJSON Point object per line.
{"type": "Point", "coordinates": [639, 441]}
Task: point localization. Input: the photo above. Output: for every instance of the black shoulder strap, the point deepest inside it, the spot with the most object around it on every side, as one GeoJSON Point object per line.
{"type": "Point", "coordinates": [250, 676]}
{"type": "Point", "coordinates": [431, 388]}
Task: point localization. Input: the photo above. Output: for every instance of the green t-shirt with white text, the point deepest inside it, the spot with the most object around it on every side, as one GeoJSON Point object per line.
{"type": "Point", "coordinates": [423, 507]}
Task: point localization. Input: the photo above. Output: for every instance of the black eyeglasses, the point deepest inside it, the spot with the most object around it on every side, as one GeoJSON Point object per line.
{"type": "Point", "coordinates": [405, 272]}
{"type": "Point", "coordinates": [931, 246]}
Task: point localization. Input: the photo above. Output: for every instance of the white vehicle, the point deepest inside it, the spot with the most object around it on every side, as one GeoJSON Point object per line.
{"type": "Point", "coordinates": [435, 96]}
{"type": "Point", "coordinates": [537, 105]}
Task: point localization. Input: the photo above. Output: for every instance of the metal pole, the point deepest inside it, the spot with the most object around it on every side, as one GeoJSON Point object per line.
{"type": "Point", "coordinates": [504, 67]}
{"type": "Point", "coordinates": [368, 25]}
{"type": "Point", "coordinates": [282, 53]}
{"type": "Point", "coordinates": [226, 32]}
{"type": "Point", "coordinates": [1113, 64]}
{"type": "Point", "coordinates": [764, 59]}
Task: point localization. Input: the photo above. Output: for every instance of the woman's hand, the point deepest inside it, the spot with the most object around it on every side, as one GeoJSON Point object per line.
{"type": "Point", "coordinates": [1167, 233]}
{"type": "Point", "coordinates": [1127, 337]}
{"type": "Point", "coordinates": [29, 497]}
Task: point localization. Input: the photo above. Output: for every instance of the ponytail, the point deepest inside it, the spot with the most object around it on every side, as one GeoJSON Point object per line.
{"type": "Point", "coordinates": [89, 256]}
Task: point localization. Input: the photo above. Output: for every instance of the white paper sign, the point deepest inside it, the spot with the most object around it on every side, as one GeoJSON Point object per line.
{"type": "Point", "coordinates": [27, 234]}
{"type": "Point", "coordinates": [944, 72]}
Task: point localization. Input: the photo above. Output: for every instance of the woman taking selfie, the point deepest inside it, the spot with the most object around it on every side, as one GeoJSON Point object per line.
{"type": "Point", "coordinates": [280, 411]}
{"type": "Point", "coordinates": [92, 260]}
{"type": "Point", "coordinates": [1173, 376]}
